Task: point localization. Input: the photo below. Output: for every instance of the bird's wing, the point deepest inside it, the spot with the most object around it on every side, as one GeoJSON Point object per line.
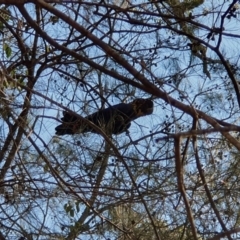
{"type": "Point", "coordinates": [115, 119]}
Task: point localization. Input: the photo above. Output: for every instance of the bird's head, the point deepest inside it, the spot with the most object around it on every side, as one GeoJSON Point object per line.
{"type": "Point", "coordinates": [142, 107]}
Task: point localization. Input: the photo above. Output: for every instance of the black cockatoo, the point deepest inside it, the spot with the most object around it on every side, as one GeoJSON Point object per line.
{"type": "Point", "coordinates": [113, 120]}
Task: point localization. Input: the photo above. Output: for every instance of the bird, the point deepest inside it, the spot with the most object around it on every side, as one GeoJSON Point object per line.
{"type": "Point", "coordinates": [112, 120]}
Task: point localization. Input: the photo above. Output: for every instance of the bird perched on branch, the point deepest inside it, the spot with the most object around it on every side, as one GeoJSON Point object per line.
{"type": "Point", "coordinates": [113, 120]}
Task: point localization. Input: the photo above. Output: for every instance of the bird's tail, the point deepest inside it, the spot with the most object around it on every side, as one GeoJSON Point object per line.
{"type": "Point", "coordinates": [68, 117]}
{"type": "Point", "coordinates": [69, 124]}
{"type": "Point", "coordinates": [64, 129]}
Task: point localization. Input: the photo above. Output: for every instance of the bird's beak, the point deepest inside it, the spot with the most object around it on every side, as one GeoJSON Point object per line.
{"type": "Point", "coordinates": [149, 110]}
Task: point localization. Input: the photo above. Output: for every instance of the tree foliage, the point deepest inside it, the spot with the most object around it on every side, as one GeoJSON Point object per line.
{"type": "Point", "coordinates": [174, 174]}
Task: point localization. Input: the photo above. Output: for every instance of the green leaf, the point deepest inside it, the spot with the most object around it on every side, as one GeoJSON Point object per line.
{"type": "Point", "coordinates": [71, 212]}
{"type": "Point", "coordinates": [77, 206]}
{"type": "Point", "coordinates": [7, 50]}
